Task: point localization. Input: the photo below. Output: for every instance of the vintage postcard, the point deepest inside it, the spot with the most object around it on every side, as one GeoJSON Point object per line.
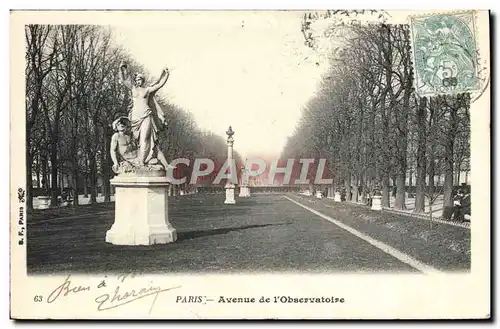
{"type": "Point", "coordinates": [328, 164]}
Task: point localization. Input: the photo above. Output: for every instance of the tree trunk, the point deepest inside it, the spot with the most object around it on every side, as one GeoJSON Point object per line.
{"type": "Point", "coordinates": [386, 202]}
{"type": "Point", "coordinates": [32, 113]}
{"type": "Point", "coordinates": [449, 156]}
{"type": "Point", "coordinates": [371, 168]}
{"type": "Point", "coordinates": [432, 148]}
{"type": "Point", "coordinates": [358, 151]}
{"type": "Point", "coordinates": [74, 181]}
{"type": "Point", "coordinates": [393, 186]}
{"type": "Point", "coordinates": [402, 122]}
{"type": "Point", "coordinates": [400, 191]}
{"type": "Point", "coordinates": [347, 184]}
{"type": "Point", "coordinates": [29, 180]}
{"type": "Point", "coordinates": [106, 165]}
{"type": "Point", "coordinates": [354, 196]}
{"type": "Point", "coordinates": [37, 172]}
{"type": "Point", "coordinates": [432, 173]}
{"type": "Point", "coordinates": [421, 160]}
{"type": "Point", "coordinates": [448, 186]}
{"type": "Point", "coordinates": [363, 189]}
{"type": "Point", "coordinates": [402, 160]}
{"type": "Point", "coordinates": [45, 172]}
{"type": "Point", "coordinates": [93, 178]}
{"type": "Point", "coordinates": [85, 187]}
{"type": "Point", "coordinates": [385, 148]}
{"type": "Point", "coordinates": [106, 188]}
{"type": "Point", "coordinates": [74, 145]}
{"type": "Point", "coordinates": [337, 184]}
{"type": "Point", "coordinates": [75, 186]}
{"type": "Point", "coordinates": [61, 180]}
{"type": "Point", "coordinates": [92, 149]}
{"type": "Point", "coordinates": [53, 164]}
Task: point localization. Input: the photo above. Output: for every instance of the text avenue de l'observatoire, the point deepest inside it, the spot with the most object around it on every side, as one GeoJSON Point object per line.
{"type": "Point", "coordinates": [261, 300]}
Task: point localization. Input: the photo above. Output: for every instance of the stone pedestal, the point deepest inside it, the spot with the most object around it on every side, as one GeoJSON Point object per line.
{"type": "Point", "coordinates": [229, 194]}
{"type": "Point", "coordinates": [141, 212]}
{"type": "Point", "coordinates": [44, 202]}
{"type": "Point", "coordinates": [244, 191]}
{"type": "Point", "coordinates": [376, 202]}
{"type": "Point", "coordinates": [337, 197]}
{"type": "Point", "coordinates": [331, 192]}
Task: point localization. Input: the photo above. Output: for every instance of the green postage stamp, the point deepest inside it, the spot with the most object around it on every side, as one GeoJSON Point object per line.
{"type": "Point", "coordinates": [444, 53]}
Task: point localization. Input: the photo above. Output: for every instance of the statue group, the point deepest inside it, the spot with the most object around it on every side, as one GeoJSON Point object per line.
{"type": "Point", "coordinates": [141, 183]}
{"type": "Point", "coordinates": [134, 145]}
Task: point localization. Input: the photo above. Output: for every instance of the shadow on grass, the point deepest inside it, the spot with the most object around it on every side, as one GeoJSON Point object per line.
{"type": "Point", "coordinates": [182, 236]}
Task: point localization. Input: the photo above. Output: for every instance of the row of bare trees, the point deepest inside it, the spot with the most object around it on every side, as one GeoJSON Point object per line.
{"type": "Point", "coordinates": [72, 97]}
{"type": "Point", "coordinates": [371, 126]}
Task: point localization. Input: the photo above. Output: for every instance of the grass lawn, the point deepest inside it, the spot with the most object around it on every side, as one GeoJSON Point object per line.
{"type": "Point", "coordinates": [264, 233]}
{"type": "Point", "coordinates": [440, 245]}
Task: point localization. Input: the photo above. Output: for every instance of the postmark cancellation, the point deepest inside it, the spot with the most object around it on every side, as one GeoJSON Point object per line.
{"type": "Point", "coordinates": [445, 53]}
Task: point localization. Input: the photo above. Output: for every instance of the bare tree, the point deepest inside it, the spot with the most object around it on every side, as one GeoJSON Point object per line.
{"type": "Point", "coordinates": [72, 98]}
{"type": "Point", "coordinates": [41, 48]}
{"type": "Point", "coordinates": [421, 155]}
{"type": "Point", "coordinates": [376, 130]}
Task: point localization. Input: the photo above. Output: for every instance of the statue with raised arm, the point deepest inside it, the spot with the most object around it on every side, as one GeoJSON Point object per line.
{"type": "Point", "coordinates": [146, 116]}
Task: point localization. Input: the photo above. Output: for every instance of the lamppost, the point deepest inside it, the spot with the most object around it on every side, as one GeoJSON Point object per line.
{"type": "Point", "coordinates": [229, 185]}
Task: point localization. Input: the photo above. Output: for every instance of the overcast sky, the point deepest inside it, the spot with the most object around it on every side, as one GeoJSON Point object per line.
{"type": "Point", "coordinates": [250, 70]}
